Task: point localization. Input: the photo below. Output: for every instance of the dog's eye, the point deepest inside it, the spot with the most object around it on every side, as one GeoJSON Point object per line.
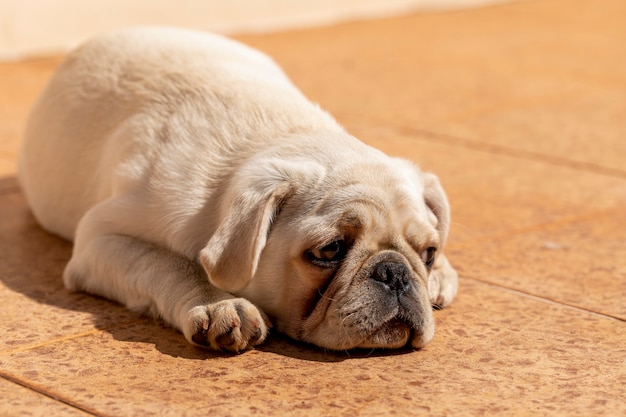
{"type": "Point", "coordinates": [332, 252]}
{"type": "Point", "coordinates": [428, 256]}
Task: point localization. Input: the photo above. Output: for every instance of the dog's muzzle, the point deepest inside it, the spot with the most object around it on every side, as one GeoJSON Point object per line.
{"type": "Point", "coordinates": [393, 275]}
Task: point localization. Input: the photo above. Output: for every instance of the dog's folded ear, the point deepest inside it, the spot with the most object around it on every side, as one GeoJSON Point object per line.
{"type": "Point", "coordinates": [436, 200]}
{"type": "Point", "coordinates": [250, 205]}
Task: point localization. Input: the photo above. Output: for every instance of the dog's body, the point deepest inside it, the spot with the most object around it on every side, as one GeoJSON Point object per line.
{"type": "Point", "coordinates": [199, 185]}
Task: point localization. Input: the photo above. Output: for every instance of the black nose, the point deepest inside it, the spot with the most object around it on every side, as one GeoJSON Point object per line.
{"type": "Point", "coordinates": [394, 275]}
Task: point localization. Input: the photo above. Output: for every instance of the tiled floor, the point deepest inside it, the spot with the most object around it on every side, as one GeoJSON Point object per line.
{"type": "Point", "coordinates": [520, 109]}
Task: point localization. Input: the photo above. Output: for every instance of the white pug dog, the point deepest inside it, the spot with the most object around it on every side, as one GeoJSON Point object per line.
{"type": "Point", "coordinates": [200, 186]}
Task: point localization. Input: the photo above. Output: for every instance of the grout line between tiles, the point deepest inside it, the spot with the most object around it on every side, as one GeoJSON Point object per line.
{"type": "Point", "coordinates": [33, 387]}
{"type": "Point", "coordinates": [544, 299]}
{"type": "Point", "coordinates": [513, 152]}
{"type": "Point", "coordinates": [9, 190]}
{"type": "Point", "coordinates": [478, 145]}
{"type": "Point", "coordinates": [8, 352]}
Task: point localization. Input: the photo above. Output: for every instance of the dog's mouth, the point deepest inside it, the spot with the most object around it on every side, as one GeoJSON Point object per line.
{"type": "Point", "coordinates": [370, 318]}
{"type": "Point", "coordinates": [399, 331]}
{"type": "Point", "coordinates": [393, 334]}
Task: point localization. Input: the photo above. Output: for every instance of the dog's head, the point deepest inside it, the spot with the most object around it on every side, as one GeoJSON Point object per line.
{"type": "Point", "coordinates": [337, 256]}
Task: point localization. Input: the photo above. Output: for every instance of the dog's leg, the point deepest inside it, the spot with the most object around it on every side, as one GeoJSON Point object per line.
{"type": "Point", "coordinates": [442, 283]}
{"type": "Point", "coordinates": [148, 278]}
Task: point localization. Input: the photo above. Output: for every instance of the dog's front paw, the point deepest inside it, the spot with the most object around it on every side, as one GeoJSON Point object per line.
{"type": "Point", "coordinates": [442, 283]}
{"type": "Point", "coordinates": [233, 324]}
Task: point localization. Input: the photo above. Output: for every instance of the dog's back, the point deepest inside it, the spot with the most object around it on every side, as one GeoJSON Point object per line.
{"type": "Point", "coordinates": [114, 97]}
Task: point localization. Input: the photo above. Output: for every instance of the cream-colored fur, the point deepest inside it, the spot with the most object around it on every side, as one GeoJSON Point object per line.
{"type": "Point", "coordinates": [196, 183]}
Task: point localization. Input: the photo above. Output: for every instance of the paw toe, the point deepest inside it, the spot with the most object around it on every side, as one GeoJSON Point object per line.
{"type": "Point", "coordinates": [232, 325]}
{"type": "Point", "coordinates": [200, 337]}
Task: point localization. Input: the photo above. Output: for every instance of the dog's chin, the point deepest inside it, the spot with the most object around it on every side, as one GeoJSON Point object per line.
{"type": "Point", "coordinates": [391, 335]}
{"type": "Point", "coordinates": [395, 333]}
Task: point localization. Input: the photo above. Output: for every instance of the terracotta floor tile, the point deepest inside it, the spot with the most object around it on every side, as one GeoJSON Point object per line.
{"type": "Point", "coordinates": [17, 400]}
{"type": "Point", "coordinates": [8, 185]}
{"type": "Point", "coordinates": [553, 127]}
{"type": "Point", "coordinates": [580, 263]}
{"type": "Point", "coordinates": [34, 306]}
{"type": "Point", "coordinates": [8, 166]}
{"type": "Point", "coordinates": [20, 83]}
{"type": "Point", "coordinates": [497, 351]}
{"type": "Point", "coordinates": [517, 75]}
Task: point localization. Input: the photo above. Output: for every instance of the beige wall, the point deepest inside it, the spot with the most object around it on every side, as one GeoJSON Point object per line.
{"type": "Point", "coordinates": [29, 27]}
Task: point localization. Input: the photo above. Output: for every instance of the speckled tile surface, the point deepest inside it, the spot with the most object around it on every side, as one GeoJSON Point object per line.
{"type": "Point", "coordinates": [579, 262]}
{"type": "Point", "coordinates": [518, 108]}
{"type": "Point", "coordinates": [21, 401]}
{"type": "Point", "coordinates": [518, 76]}
{"type": "Point", "coordinates": [496, 352]}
